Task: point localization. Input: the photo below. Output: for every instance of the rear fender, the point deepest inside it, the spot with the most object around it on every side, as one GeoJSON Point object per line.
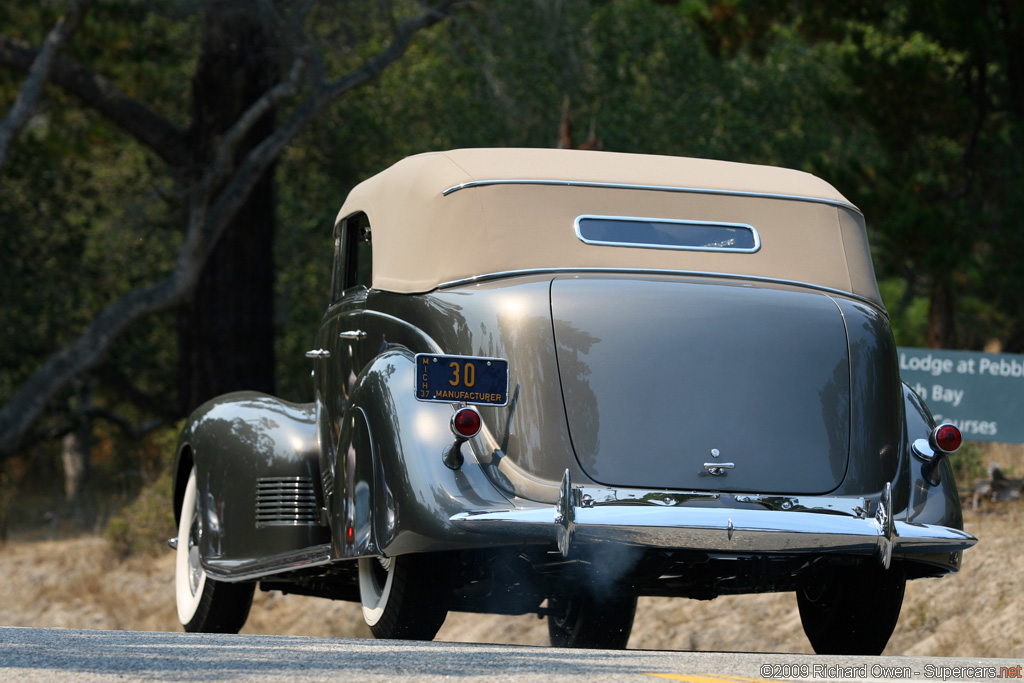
{"type": "Point", "coordinates": [928, 503]}
{"type": "Point", "coordinates": [875, 404]}
{"type": "Point", "coordinates": [257, 471]}
{"type": "Point", "coordinates": [393, 493]}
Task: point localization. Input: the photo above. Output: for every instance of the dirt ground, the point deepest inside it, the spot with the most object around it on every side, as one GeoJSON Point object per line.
{"type": "Point", "coordinates": [978, 612]}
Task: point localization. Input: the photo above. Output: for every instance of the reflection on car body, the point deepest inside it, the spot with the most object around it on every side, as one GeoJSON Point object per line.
{"type": "Point", "coordinates": [552, 381]}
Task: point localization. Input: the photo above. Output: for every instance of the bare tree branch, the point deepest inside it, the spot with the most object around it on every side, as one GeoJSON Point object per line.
{"type": "Point", "coordinates": [263, 155]}
{"type": "Point", "coordinates": [225, 152]}
{"type": "Point", "coordinates": [71, 422]}
{"type": "Point", "coordinates": [111, 376]}
{"type": "Point", "coordinates": [97, 92]}
{"type": "Point", "coordinates": [38, 73]}
{"type": "Point", "coordinates": [86, 351]}
{"type": "Point", "coordinates": [123, 423]}
{"type": "Point", "coordinates": [212, 202]}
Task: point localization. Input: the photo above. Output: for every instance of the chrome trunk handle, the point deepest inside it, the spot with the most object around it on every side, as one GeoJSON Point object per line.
{"type": "Point", "coordinates": [353, 334]}
{"type": "Point", "coordinates": [718, 468]}
{"type": "Point", "coordinates": [318, 353]}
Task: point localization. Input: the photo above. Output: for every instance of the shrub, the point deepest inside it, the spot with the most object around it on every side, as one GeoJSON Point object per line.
{"type": "Point", "coordinates": [967, 465]}
{"type": "Point", "coordinates": [146, 523]}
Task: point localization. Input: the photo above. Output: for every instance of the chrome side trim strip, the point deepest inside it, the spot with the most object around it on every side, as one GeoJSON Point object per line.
{"type": "Point", "coordinates": [249, 570]}
{"type": "Point", "coordinates": [587, 270]}
{"type": "Point", "coordinates": [653, 188]}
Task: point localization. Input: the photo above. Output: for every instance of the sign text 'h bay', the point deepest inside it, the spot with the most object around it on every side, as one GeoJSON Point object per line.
{"type": "Point", "coordinates": [981, 393]}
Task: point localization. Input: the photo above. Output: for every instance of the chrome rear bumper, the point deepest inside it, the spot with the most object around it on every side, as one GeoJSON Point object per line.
{"type": "Point", "coordinates": [771, 524]}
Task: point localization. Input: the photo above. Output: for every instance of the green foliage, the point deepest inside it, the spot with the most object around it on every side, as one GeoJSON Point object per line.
{"type": "Point", "coordinates": [85, 213]}
{"type": "Point", "coordinates": [912, 110]}
{"type": "Point", "coordinates": [908, 313]}
{"type": "Point", "coordinates": [637, 71]}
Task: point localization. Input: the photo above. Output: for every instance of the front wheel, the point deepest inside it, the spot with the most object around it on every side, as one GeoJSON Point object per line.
{"type": "Point", "coordinates": [204, 605]}
{"type": "Point", "coordinates": [583, 620]}
{"type": "Point", "coordinates": [851, 610]}
{"type": "Point", "coordinates": [404, 597]}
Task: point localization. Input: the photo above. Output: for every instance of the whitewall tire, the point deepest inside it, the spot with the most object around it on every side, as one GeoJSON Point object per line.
{"type": "Point", "coordinates": [204, 605]}
{"type": "Point", "coordinates": [404, 597]}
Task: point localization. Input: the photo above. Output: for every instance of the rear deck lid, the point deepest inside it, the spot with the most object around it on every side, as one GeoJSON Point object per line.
{"type": "Point", "coordinates": [663, 377]}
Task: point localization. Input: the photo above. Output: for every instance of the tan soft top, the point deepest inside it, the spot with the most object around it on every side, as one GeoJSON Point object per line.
{"type": "Point", "coordinates": [444, 217]}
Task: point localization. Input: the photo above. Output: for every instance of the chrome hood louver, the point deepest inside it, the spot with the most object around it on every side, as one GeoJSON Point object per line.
{"type": "Point", "coordinates": [286, 501]}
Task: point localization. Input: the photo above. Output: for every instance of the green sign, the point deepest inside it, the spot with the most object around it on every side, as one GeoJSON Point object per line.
{"type": "Point", "coordinates": [981, 393]}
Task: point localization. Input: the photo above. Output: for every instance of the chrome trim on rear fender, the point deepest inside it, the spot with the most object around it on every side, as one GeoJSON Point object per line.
{"type": "Point", "coordinates": [587, 270]}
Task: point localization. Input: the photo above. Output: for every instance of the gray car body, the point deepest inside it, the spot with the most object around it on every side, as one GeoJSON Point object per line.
{"type": "Point", "coordinates": [626, 388]}
{"type": "Point", "coordinates": [390, 485]}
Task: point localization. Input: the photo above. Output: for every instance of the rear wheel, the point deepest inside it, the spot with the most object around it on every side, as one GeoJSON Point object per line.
{"type": "Point", "coordinates": [404, 597]}
{"type": "Point", "coordinates": [851, 610]}
{"type": "Point", "coordinates": [204, 605]}
{"type": "Point", "coordinates": [583, 620]}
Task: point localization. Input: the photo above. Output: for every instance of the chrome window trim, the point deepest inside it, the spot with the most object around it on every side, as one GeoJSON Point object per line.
{"type": "Point", "coordinates": [673, 221]}
{"type": "Point", "coordinates": [478, 279]}
{"type": "Point", "coordinates": [653, 188]}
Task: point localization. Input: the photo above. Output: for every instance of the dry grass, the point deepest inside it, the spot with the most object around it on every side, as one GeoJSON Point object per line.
{"type": "Point", "coordinates": [976, 613]}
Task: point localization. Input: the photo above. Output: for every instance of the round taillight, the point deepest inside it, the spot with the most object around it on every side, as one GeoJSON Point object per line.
{"type": "Point", "coordinates": [947, 438]}
{"type": "Point", "coordinates": [466, 423]}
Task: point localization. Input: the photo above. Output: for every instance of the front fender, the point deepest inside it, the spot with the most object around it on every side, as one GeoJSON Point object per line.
{"type": "Point", "coordinates": [257, 473]}
{"type": "Point", "coordinates": [394, 494]}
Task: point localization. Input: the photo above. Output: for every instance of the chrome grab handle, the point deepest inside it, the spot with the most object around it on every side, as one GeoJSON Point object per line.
{"type": "Point", "coordinates": [318, 353]}
{"type": "Point", "coordinates": [353, 334]}
{"type": "Point", "coordinates": [718, 468]}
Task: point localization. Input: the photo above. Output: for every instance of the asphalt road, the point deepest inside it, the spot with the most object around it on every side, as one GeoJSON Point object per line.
{"type": "Point", "coordinates": [56, 655]}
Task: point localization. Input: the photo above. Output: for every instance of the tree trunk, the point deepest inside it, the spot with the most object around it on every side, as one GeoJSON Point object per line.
{"type": "Point", "coordinates": [219, 353]}
{"type": "Point", "coordinates": [74, 454]}
{"type": "Point", "coordinates": [76, 457]}
{"type": "Point", "coordinates": [941, 320]}
{"type": "Point", "coordinates": [226, 330]}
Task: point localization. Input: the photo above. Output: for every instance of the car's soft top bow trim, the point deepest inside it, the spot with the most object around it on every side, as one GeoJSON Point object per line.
{"type": "Point", "coordinates": [652, 188]}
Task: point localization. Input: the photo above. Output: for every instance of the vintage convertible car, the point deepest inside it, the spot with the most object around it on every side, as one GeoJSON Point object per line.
{"type": "Point", "coordinates": [551, 381]}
